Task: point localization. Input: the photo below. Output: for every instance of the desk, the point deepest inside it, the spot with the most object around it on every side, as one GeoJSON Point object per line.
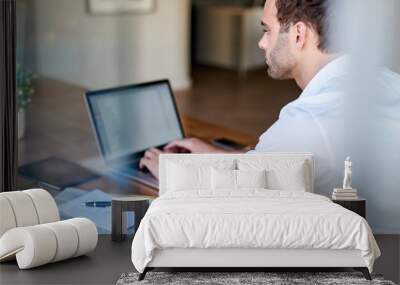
{"type": "Point", "coordinates": [58, 125]}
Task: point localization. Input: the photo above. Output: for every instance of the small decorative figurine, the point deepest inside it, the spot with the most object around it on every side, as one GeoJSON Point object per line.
{"type": "Point", "coordinates": [347, 174]}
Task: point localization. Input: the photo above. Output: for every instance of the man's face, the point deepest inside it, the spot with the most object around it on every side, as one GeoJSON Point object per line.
{"type": "Point", "coordinates": [278, 55]}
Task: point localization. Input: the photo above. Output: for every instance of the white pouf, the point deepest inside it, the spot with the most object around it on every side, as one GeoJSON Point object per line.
{"type": "Point", "coordinates": [7, 218]}
{"type": "Point", "coordinates": [24, 211]}
{"type": "Point", "coordinates": [46, 207]}
{"type": "Point", "coordinates": [37, 245]}
{"type": "Point", "coordinates": [31, 233]}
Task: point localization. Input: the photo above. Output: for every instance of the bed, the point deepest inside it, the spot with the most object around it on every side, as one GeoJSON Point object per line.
{"type": "Point", "coordinates": [247, 211]}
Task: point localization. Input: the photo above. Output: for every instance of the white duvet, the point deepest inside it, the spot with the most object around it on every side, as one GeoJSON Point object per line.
{"type": "Point", "coordinates": [250, 219]}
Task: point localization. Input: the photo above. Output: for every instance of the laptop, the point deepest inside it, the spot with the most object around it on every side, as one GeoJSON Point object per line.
{"type": "Point", "coordinates": [129, 120]}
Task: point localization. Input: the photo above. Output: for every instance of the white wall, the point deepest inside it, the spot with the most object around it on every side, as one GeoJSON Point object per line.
{"type": "Point", "coordinates": [66, 42]}
{"type": "Point", "coordinates": [396, 37]}
{"type": "Point", "coordinates": [228, 36]}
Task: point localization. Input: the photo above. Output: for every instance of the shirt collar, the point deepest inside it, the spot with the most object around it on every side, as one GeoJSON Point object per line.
{"type": "Point", "coordinates": [336, 68]}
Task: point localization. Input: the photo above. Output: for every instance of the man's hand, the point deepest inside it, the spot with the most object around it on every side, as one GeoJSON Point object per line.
{"type": "Point", "coordinates": [150, 161]}
{"type": "Point", "coordinates": [192, 145]}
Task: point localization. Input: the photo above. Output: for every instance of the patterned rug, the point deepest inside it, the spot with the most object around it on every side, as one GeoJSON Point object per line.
{"type": "Point", "coordinates": [243, 278]}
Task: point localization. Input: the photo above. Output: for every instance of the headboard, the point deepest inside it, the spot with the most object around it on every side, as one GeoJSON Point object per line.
{"type": "Point", "coordinates": [214, 159]}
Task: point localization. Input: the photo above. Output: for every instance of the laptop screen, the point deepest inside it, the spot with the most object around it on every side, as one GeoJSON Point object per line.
{"type": "Point", "coordinates": [132, 119]}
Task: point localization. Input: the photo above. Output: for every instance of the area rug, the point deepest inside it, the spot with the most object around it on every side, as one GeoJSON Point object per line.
{"type": "Point", "coordinates": [243, 278]}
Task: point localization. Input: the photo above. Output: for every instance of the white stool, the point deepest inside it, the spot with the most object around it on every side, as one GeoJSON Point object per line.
{"type": "Point", "coordinates": [31, 231]}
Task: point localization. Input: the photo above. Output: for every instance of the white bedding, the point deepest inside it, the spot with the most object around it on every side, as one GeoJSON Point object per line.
{"type": "Point", "coordinates": [250, 219]}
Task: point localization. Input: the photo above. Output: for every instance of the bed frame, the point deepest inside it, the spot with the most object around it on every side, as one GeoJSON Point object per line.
{"type": "Point", "coordinates": [242, 259]}
{"type": "Point", "coordinates": [256, 259]}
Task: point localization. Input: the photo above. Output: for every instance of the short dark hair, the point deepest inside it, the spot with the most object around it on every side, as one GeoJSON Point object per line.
{"type": "Point", "coordinates": [311, 12]}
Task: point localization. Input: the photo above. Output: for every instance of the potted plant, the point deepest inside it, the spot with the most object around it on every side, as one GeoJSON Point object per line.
{"type": "Point", "coordinates": [24, 95]}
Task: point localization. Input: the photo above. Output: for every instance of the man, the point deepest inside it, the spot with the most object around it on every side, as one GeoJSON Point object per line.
{"type": "Point", "coordinates": [296, 45]}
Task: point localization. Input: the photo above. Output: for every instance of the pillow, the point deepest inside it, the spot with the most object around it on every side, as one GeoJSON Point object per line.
{"type": "Point", "coordinates": [223, 179]}
{"type": "Point", "coordinates": [291, 178]}
{"type": "Point", "coordinates": [193, 174]}
{"type": "Point", "coordinates": [251, 179]}
{"type": "Point", "coordinates": [181, 177]}
{"type": "Point", "coordinates": [237, 179]}
{"type": "Point", "coordinates": [281, 174]}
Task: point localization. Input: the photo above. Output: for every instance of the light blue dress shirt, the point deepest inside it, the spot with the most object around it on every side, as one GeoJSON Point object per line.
{"type": "Point", "coordinates": [342, 114]}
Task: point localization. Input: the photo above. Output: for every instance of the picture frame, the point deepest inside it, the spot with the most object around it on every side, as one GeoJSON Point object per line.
{"type": "Point", "coordinates": [111, 7]}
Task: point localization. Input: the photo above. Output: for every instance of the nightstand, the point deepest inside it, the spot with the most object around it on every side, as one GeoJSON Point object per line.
{"type": "Point", "coordinates": [358, 206]}
{"type": "Point", "coordinates": [120, 205]}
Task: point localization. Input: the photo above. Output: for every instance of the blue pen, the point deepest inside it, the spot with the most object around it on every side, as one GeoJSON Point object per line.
{"type": "Point", "coordinates": [98, 204]}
